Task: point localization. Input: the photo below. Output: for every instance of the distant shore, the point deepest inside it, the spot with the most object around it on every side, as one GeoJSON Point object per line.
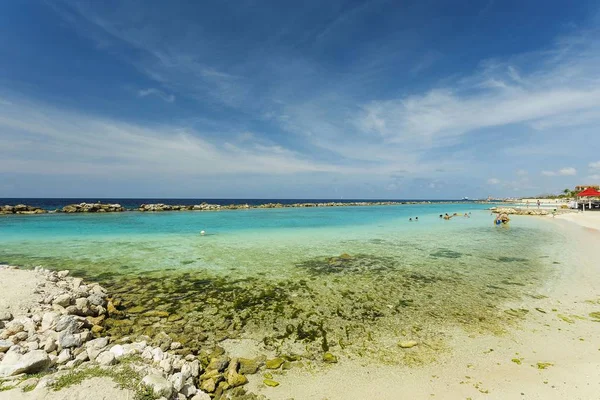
{"type": "Point", "coordinates": [98, 207]}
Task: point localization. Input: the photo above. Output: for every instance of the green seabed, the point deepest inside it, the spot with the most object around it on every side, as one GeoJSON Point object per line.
{"type": "Point", "coordinates": [355, 294]}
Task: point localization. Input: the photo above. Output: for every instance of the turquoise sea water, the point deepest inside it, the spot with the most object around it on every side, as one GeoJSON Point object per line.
{"type": "Point", "coordinates": [349, 279]}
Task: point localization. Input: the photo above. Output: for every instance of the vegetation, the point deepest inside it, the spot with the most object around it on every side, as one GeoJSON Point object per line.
{"type": "Point", "coordinates": [124, 375]}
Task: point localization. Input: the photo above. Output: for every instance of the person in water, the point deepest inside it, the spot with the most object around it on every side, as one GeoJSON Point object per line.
{"type": "Point", "coordinates": [410, 219]}
{"type": "Point", "coordinates": [441, 216]}
{"type": "Point", "coordinates": [416, 218]}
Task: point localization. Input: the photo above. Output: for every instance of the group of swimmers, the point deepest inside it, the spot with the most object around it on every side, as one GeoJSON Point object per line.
{"type": "Point", "coordinates": [447, 216]}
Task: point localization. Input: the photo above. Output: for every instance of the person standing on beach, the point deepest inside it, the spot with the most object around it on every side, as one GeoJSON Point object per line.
{"type": "Point", "coordinates": [538, 204]}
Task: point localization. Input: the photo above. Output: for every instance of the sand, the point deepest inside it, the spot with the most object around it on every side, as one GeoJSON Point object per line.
{"type": "Point", "coordinates": [588, 219]}
{"type": "Point", "coordinates": [91, 389]}
{"type": "Point", "coordinates": [17, 290]}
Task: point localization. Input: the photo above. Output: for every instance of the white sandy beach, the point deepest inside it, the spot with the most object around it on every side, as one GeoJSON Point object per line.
{"type": "Point", "coordinates": [557, 330]}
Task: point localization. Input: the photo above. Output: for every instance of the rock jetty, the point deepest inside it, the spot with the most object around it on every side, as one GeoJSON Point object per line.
{"type": "Point", "coordinates": [520, 211]}
{"type": "Point", "coordinates": [21, 209]}
{"type": "Point", "coordinates": [91, 208]}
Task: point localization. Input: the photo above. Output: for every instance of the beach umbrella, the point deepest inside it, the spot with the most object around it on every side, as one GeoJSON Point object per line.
{"type": "Point", "coordinates": [589, 192]}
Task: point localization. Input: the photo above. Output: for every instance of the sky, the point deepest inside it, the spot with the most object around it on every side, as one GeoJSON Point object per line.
{"type": "Point", "coordinates": [279, 99]}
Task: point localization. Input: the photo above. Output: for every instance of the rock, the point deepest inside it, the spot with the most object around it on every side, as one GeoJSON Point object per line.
{"type": "Point", "coordinates": [166, 365]}
{"type": "Point", "coordinates": [95, 347]}
{"type": "Point", "coordinates": [5, 345]}
{"type": "Point", "coordinates": [68, 340]}
{"type": "Point", "coordinates": [271, 382]}
{"type": "Point", "coordinates": [49, 321]}
{"type": "Point", "coordinates": [118, 350]}
{"type": "Point", "coordinates": [14, 363]}
{"type": "Point", "coordinates": [50, 345]}
{"type": "Point", "coordinates": [67, 323]}
{"type": "Point", "coordinates": [64, 356]}
{"type": "Point", "coordinates": [329, 358]}
{"type": "Point", "coordinates": [96, 299]}
{"type": "Point", "coordinates": [19, 337]}
{"type": "Point", "coordinates": [407, 344]}
{"type": "Point", "coordinates": [218, 363]}
{"type": "Point", "coordinates": [274, 363]}
{"type": "Point", "coordinates": [209, 385]}
{"type": "Point", "coordinates": [195, 368]}
{"type": "Point", "coordinates": [159, 385]}
{"type": "Point", "coordinates": [178, 381]}
{"type": "Point", "coordinates": [188, 390]}
{"type": "Point", "coordinates": [157, 355]}
{"type": "Point", "coordinates": [248, 366]}
{"type": "Point", "coordinates": [200, 395]}
{"type": "Point", "coordinates": [63, 300]}
{"type": "Point", "coordinates": [176, 345]}
{"type": "Point", "coordinates": [5, 315]}
{"type": "Point", "coordinates": [106, 358]}
{"type": "Point", "coordinates": [13, 327]}
{"type": "Point", "coordinates": [63, 274]}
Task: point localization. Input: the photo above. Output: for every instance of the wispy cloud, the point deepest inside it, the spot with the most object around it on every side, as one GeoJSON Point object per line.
{"type": "Point", "coordinates": [595, 165]}
{"type": "Point", "coordinates": [568, 171]}
{"type": "Point", "coordinates": [169, 98]}
{"type": "Point", "coordinates": [493, 181]}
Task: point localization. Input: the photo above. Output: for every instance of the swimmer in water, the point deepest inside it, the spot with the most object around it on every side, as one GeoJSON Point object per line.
{"type": "Point", "coordinates": [410, 219]}
{"type": "Point", "coordinates": [202, 233]}
{"type": "Point", "coordinates": [416, 218]}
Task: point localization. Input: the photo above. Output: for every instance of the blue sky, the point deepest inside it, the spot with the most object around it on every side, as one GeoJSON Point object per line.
{"type": "Point", "coordinates": [353, 99]}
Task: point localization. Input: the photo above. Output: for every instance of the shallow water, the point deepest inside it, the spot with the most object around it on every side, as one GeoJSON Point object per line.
{"type": "Point", "coordinates": [352, 280]}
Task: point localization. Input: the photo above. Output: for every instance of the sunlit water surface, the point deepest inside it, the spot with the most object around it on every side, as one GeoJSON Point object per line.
{"type": "Point", "coordinates": [351, 280]}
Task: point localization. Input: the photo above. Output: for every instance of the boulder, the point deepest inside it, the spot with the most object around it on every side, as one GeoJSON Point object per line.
{"type": "Point", "coordinates": [106, 358]}
{"type": "Point", "coordinates": [159, 385]}
{"type": "Point", "coordinates": [32, 362]}
{"type": "Point", "coordinates": [63, 300]}
{"type": "Point", "coordinates": [5, 345]}
{"type": "Point", "coordinates": [5, 315]}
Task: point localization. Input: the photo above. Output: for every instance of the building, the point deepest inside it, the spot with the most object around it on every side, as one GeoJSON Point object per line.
{"type": "Point", "coordinates": [580, 188]}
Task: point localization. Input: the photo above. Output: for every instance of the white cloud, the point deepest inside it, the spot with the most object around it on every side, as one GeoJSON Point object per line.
{"type": "Point", "coordinates": [595, 177]}
{"type": "Point", "coordinates": [493, 181]}
{"type": "Point", "coordinates": [595, 165]}
{"type": "Point", "coordinates": [40, 139]}
{"type": "Point", "coordinates": [169, 98]}
{"type": "Point", "coordinates": [568, 171]}
{"type": "Point", "coordinates": [521, 172]}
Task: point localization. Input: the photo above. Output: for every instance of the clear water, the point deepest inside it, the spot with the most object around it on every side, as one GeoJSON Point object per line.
{"type": "Point", "coordinates": [353, 280]}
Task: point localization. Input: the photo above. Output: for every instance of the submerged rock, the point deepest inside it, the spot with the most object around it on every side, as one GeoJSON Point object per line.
{"type": "Point", "coordinates": [274, 363]}
{"type": "Point", "coordinates": [329, 358]}
{"type": "Point", "coordinates": [407, 344]}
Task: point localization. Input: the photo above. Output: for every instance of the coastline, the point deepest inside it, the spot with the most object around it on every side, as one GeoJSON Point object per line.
{"type": "Point", "coordinates": [589, 219]}
{"type": "Point", "coordinates": [98, 207]}
{"type": "Point", "coordinates": [562, 338]}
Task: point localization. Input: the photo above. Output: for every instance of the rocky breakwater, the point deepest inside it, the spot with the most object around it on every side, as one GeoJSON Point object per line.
{"type": "Point", "coordinates": [169, 207]}
{"type": "Point", "coordinates": [520, 211]}
{"type": "Point", "coordinates": [91, 208]}
{"type": "Point", "coordinates": [21, 209]}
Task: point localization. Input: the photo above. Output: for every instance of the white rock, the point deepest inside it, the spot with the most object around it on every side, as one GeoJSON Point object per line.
{"type": "Point", "coordinates": [186, 370]}
{"type": "Point", "coordinates": [76, 282]}
{"type": "Point", "coordinates": [178, 381]}
{"type": "Point", "coordinates": [157, 354]}
{"type": "Point", "coordinates": [14, 327]}
{"type": "Point", "coordinates": [68, 340]}
{"type": "Point", "coordinates": [176, 345]}
{"type": "Point", "coordinates": [63, 274]}
{"type": "Point", "coordinates": [166, 365]}
{"type": "Point", "coordinates": [147, 353]}
{"type": "Point", "coordinates": [106, 358]}
{"type": "Point", "coordinates": [63, 357]}
{"type": "Point", "coordinates": [50, 345]}
{"type": "Point", "coordinates": [63, 300]}
{"type": "Point", "coordinates": [188, 390]}
{"type": "Point", "coordinates": [118, 350]}
{"type": "Point", "coordinates": [67, 323]}
{"type": "Point", "coordinates": [14, 363]}
{"type": "Point", "coordinates": [200, 395]}
{"type": "Point", "coordinates": [159, 385]}
{"type": "Point", "coordinates": [5, 315]}
{"type": "Point", "coordinates": [49, 320]}
{"type": "Point", "coordinates": [5, 345]}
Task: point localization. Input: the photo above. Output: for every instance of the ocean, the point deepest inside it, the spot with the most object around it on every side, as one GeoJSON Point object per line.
{"type": "Point", "coordinates": [297, 280]}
